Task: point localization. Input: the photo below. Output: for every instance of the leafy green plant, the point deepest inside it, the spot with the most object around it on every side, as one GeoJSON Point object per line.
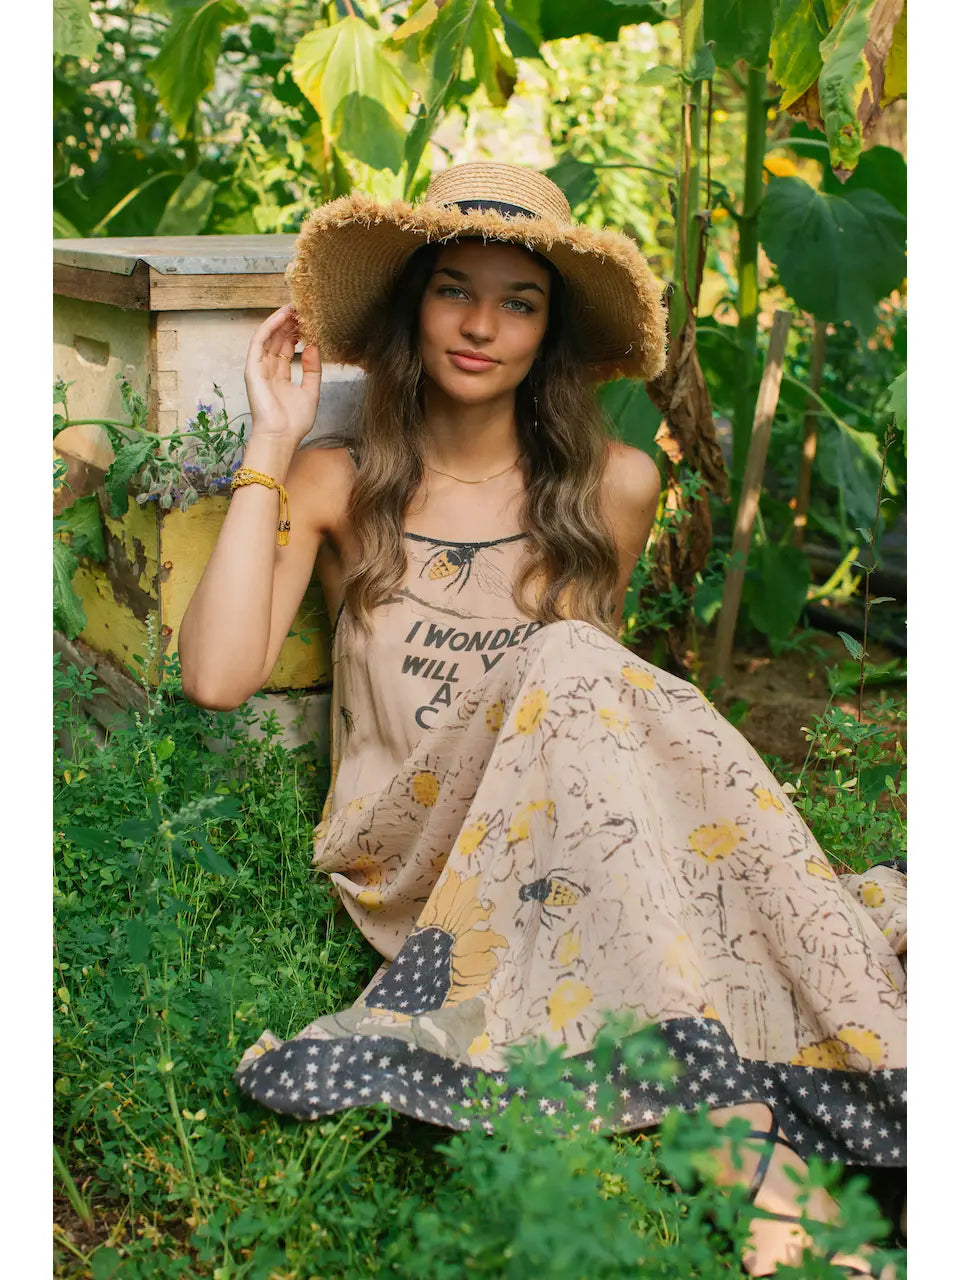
{"type": "Point", "coordinates": [77, 531]}
{"type": "Point", "coordinates": [651, 609]}
{"type": "Point", "coordinates": [174, 468]}
{"type": "Point", "coordinates": [177, 468]}
{"type": "Point", "coordinates": [851, 790]}
{"type": "Point", "coordinates": [187, 919]}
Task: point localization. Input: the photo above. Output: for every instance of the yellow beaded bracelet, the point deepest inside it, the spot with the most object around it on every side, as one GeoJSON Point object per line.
{"type": "Point", "coordinates": [247, 475]}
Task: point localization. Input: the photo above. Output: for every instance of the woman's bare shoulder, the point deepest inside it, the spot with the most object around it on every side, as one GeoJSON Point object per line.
{"type": "Point", "coordinates": [322, 478]}
{"type": "Point", "coordinates": [631, 478]}
{"type": "Point", "coordinates": [631, 492]}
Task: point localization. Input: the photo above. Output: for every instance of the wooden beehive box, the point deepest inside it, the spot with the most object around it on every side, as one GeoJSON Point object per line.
{"type": "Point", "coordinates": [175, 315]}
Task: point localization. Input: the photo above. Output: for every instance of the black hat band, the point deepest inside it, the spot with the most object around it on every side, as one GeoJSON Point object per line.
{"type": "Point", "coordinates": [498, 206]}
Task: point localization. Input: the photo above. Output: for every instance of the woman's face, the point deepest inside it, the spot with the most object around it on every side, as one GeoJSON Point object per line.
{"type": "Point", "coordinates": [482, 318]}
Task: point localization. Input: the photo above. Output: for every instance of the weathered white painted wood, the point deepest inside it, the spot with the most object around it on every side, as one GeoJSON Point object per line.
{"type": "Point", "coordinates": [196, 349]}
{"type": "Point", "coordinates": [92, 343]}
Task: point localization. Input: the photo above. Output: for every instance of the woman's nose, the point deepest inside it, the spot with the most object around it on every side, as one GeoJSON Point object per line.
{"type": "Point", "coordinates": [479, 321]}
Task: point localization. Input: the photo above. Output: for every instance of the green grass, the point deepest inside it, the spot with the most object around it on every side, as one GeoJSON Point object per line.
{"type": "Point", "coordinates": [187, 921]}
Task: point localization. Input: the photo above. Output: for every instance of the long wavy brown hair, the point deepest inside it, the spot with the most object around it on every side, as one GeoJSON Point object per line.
{"type": "Point", "coordinates": [572, 557]}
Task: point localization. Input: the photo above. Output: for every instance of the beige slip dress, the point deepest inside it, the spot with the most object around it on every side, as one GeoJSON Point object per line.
{"type": "Point", "coordinates": [535, 827]}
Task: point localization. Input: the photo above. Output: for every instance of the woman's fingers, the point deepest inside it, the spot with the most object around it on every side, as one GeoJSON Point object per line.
{"type": "Point", "coordinates": [311, 369]}
{"type": "Point", "coordinates": [263, 336]}
{"type": "Point", "coordinates": [273, 345]}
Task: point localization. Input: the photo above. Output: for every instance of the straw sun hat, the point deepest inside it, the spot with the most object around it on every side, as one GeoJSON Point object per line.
{"type": "Point", "coordinates": [351, 250]}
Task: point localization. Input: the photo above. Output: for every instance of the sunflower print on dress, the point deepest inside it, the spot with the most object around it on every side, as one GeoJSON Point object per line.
{"type": "Point", "coordinates": [448, 958]}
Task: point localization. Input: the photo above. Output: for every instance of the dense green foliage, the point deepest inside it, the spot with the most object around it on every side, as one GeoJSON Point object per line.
{"type": "Point", "coordinates": [187, 920]}
{"type": "Point", "coordinates": [174, 117]}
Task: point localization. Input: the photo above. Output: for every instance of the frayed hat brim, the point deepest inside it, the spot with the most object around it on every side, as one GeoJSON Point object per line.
{"type": "Point", "coordinates": [351, 250]}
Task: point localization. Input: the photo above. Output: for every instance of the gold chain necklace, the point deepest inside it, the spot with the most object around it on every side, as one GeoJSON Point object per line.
{"type": "Point", "coordinates": [483, 481]}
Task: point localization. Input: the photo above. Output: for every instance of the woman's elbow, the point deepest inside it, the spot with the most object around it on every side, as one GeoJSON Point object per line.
{"type": "Point", "coordinates": [208, 695]}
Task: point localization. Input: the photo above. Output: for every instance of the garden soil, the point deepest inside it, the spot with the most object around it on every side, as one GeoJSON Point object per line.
{"type": "Point", "coordinates": [784, 694]}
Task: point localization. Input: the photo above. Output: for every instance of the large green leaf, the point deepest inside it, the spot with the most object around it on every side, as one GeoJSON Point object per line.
{"type": "Point", "coordinates": [775, 589]}
{"type": "Point", "coordinates": [188, 210]}
{"type": "Point", "coordinates": [184, 69]}
{"type": "Point", "coordinates": [473, 25]}
{"type": "Point", "coordinates": [521, 26]}
{"type": "Point", "coordinates": [795, 47]}
{"type": "Point", "coordinates": [74, 35]}
{"type": "Point", "coordinates": [82, 521]}
{"type": "Point", "coordinates": [352, 84]}
{"type": "Point", "coordinates": [362, 128]}
{"type": "Point", "coordinates": [68, 615]}
{"type": "Point", "coordinates": [879, 169]}
{"type": "Point", "coordinates": [897, 400]}
{"type": "Point", "coordinates": [849, 461]}
{"type": "Point", "coordinates": [576, 179]}
{"type": "Point", "coordinates": [634, 415]}
{"type": "Point", "coordinates": [837, 256]}
{"type": "Point", "coordinates": [844, 80]}
{"type": "Point", "coordinates": [739, 29]}
{"type": "Point", "coordinates": [460, 26]}
{"type": "Point", "coordinates": [830, 58]}
{"type": "Point", "coordinates": [603, 18]}
{"type": "Point", "coordinates": [126, 463]}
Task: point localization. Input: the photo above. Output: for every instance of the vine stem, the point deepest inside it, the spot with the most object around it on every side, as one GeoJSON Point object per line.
{"type": "Point", "coordinates": [107, 422]}
{"type": "Point", "coordinates": [868, 571]}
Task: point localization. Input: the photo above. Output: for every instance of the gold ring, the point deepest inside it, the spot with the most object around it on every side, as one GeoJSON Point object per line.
{"type": "Point", "coordinates": [283, 357]}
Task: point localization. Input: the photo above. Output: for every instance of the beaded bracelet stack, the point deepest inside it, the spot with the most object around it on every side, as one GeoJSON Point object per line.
{"type": "Point", "coordinates": [247, 475]}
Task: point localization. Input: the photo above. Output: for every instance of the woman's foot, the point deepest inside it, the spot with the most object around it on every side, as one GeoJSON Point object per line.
{"type": "Point", "coordinates": [766, 1163]}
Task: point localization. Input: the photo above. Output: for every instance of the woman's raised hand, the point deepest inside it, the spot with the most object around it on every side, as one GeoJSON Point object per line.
{"type": "Point", "coordinates": [281, 408]}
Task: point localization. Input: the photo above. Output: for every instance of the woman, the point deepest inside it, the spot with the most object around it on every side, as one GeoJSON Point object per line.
{"type": "Point", "coordinates": [532, 825]}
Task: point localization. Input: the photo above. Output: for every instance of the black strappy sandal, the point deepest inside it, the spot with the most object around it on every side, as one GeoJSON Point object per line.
{"type": "Point", "coordinates": [771, 1138]}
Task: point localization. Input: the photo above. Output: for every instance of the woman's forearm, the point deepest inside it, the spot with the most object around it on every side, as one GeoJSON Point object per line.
{"type": "Point", "coordinates": [225, 631]}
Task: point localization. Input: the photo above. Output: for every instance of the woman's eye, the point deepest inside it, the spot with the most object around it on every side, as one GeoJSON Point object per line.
{"type": "Point", "coordinates": [521, 306]}
{"type": "Point", "coordinates": [447, 290]}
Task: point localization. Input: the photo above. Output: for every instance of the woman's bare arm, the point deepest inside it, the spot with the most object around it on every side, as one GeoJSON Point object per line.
{"type": "Point", "coordinates": [243, 606]}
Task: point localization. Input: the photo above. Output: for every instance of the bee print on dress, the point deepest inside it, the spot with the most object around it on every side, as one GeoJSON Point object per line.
{"type": "Point", "coordinates": [453, 564]}
{"type": "Point", "coordinates": [551, 891]}
{"type": "Point", "coordinates": [346, 715]}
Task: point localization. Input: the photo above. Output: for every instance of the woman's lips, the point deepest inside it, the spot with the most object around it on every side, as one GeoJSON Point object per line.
{"type": "Point", "coordinates": [472, 364]}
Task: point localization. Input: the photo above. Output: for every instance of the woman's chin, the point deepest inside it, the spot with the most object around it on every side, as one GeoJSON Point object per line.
{"type": "Point", "coordinates": [467, 390]}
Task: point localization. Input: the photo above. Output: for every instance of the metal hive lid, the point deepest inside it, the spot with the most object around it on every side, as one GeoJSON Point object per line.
{"type": "Point", "coordinates": [179, 255]}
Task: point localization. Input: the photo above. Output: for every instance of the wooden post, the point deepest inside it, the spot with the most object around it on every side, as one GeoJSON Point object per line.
{"type": "Point", "coordinates": [767, 399]}
{"type": "Point", "coordinates": [810, 425]}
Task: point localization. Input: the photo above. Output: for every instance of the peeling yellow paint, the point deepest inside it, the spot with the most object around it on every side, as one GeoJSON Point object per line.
{"type": "Point", "coordinates": [157, 560]}
{"type": "Point", "coordinates": [186, 543]}
{"type": "Point", "coordinates": [112, 626]}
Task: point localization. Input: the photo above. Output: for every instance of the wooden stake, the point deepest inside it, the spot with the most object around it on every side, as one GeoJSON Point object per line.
{"type": "Point", "coordinates": [810, 428]}
{"type": "Point", "coordinates": [767, 399]}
